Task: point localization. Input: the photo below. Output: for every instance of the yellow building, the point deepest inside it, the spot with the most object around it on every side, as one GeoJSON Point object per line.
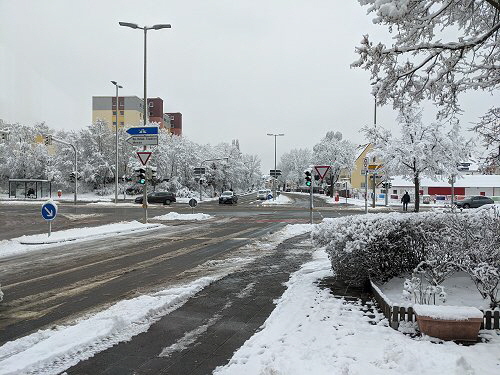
{"type": "Point", "coordinates": [357, 176]}
{"type": "Point", "coordinates": [130, 110]}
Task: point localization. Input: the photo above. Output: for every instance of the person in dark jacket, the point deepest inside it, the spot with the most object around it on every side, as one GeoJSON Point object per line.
{"type": "Point", "coordinates": [405, 200]}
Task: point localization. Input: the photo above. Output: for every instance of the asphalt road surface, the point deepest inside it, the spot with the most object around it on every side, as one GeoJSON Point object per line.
{"type": "Point", "coordinates": [59, 284]}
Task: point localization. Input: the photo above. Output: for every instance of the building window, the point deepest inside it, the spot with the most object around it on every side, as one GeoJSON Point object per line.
{"type": "Point", "coordinates": [394, 191]}
{"type": "Point", "coordinates": [150, 114]}
{"type": "Point", "coordinates": [114, 123]}
{"type": "Point", "coordinates": [114, 113]}
{"type": "Point", "coordinates": [122, 113]}
{"type": "Point", "coordinates": [362, 185]}
{"type": "Point", "coordinates": [121, 123]}
{"type": "Point", "coordinates": [151, 104]}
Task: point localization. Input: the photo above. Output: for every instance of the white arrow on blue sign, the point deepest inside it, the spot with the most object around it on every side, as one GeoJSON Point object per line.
{"type": "Point", "coordinates": [49, 211]}
{"type": "Point", "coordinates": [143, 130]}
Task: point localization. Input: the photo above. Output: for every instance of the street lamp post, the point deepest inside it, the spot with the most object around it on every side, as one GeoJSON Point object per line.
{"type": "Point", "coordinates": [116, 140]}
{"type": "Point", "coordinates": [275, 177]}
{"type": "Point", "coordinates": [145, 104]}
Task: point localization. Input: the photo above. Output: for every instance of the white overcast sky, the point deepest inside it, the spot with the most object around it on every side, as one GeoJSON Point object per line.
{"type": "Point", "coordinates": [235, 69]}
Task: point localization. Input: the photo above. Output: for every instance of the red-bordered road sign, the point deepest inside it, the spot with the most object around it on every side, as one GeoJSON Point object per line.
{"type": "Point", "coordinates": [144, 156]}
{"type": "Point", "coordinates": [322, 170]}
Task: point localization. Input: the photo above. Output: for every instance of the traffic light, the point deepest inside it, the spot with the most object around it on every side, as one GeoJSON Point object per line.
{"type": "Point", "coordinates": [141, 175]}
{"type": "Point", "coordinates": [47, 140]}
{"type": "Point", "coordinates": [72, 176]}
{"type": "Point", "coordinates": [308, 174]}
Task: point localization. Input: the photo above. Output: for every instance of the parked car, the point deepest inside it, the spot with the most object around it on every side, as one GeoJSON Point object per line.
{"type": "Point", "coordinates": [228, 197]}
{"type": "Point", "coordinates": [264, 194]}
{"type": "Point", "coordinates": [474, 201]}
{"type": "Point", "coordinates": [164, 197]}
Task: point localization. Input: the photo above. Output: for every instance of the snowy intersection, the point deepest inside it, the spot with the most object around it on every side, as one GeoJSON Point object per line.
{"type": "Point", "coordinates": [309, 330]}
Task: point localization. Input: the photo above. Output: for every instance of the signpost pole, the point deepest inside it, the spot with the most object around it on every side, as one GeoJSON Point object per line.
{"type": "Point", "coordinates": [145, 197]}
{"type": "Point", "coordinates": [50, 228]}
{"type": "Point", "coordinates": [374, 175]}
{"type": "Point", "coordinates": [366, 191]}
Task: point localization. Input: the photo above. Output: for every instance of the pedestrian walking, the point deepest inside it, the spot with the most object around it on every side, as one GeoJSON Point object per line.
{"type": "Point", "coordinates": [405, 200]}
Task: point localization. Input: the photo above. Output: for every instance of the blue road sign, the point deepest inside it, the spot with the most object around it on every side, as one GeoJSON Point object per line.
{"type": "Point", "coordinates": [49, 211]}
{"type": "Point", "coordinates": [143, 131]}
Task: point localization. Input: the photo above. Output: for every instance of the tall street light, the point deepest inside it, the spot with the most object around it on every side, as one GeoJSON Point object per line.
{"type": "Point", "coordinates": [145, 104]}
{"type": "Point", "coordinates": [145, 28]}
{"type": "Point", "coordinates": [116, 140]}
{"type": "Point", "coordinates": [275, 177]}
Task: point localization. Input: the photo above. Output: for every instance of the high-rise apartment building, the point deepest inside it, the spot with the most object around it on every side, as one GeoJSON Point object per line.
{"type": "Point", "coordinates": [130, 110]}
{"type": "Point", "coordinates": [173, 122]}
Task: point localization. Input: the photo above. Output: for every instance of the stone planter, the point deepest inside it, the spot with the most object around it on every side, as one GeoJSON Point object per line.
{"type": "Point", "coordinates": [449, 322]}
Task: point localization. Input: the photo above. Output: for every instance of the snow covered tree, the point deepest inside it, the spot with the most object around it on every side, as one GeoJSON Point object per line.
{"type": "Point", "coordinates": [339, 154]}
{"type": "Point", "coordinates": [293, 164]}
{"type": "Point", "coordinates": [419, 64]}
{"type": "Point", "coordinates": [420, 151]}
{"type": "Point", "coordinates": [489, 129]}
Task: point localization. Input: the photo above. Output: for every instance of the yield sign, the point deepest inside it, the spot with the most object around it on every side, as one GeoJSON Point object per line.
{"type": "Point", "coordinates": [322, 169]}
{"type": "Point", "coordinates": [144, 157]}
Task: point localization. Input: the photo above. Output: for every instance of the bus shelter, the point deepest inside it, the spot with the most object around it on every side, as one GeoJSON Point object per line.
{"type": "Point", "coordinates": [29, 188]}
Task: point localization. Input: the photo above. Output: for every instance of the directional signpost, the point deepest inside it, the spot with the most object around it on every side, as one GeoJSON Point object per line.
{"type": "Point", "coordinates": [275, 173]}
{"type": "Point", "coordinates": [144, 136]}
{"type": "Point", "coordinates": [146, 130]}
{"type": "Point", "coordinates": [143, 140]}
{"type": "Point", "coordinates": [49, 212]}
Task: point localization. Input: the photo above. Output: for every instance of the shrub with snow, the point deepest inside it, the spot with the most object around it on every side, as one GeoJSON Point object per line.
{"type": "Point", "coordinates": [431, 246]}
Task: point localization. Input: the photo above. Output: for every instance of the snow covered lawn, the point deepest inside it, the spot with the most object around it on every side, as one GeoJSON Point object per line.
{"type": "Point", "coordinates": [37, 242]}
{"type": "Point", "coordinates": [460, 291]}
{"type": "Point", "coordinates": [311, 332]}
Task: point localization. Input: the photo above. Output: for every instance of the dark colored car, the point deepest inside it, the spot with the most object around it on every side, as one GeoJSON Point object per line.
{"type": "Point", "coordinates": [164, 197]}
{"type": "Point", "coordinates": [474, 201]}
{"type": "Point", "coordinates": [228, 197]}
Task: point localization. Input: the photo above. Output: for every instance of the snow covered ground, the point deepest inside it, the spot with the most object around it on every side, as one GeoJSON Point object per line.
{"type": "Point", "coordinates": [309, 332]}
{"type": "Point", "coordinates": [312, 332]}
{"type": "Point", "coordinates": [38, 242]}
{"type": "Point", "coordinates": [51, 351]}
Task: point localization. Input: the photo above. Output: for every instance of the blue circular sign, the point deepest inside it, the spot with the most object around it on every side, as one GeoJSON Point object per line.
{"type": "Point", "coordinates": [49, 211]}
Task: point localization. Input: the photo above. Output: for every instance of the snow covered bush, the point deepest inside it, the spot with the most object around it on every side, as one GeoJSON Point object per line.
{"type": "Point", "coordinates": [429, 246]}
{"type": "Point", "coordinates": [380, 246]}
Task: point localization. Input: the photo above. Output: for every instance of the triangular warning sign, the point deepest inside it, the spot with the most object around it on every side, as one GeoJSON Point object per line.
{"type": "Point", "coordinates": [144, 157]}
{"type": "Point", "coordinates": [321, 170]}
